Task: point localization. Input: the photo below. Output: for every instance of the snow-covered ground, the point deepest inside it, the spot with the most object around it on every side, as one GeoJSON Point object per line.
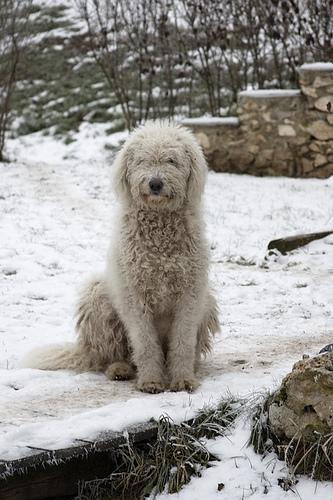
{"type": "Point", "coordinates": [55, 212]}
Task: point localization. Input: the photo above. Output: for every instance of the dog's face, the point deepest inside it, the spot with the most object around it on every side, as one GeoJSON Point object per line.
{"type": "Point", "coordinates": [158, 173]}
{"type": "Point", "coordinates": [160, 167]}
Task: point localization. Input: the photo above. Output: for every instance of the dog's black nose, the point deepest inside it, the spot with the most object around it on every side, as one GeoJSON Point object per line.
{"type": "Point", "coordinates": [155, 185]}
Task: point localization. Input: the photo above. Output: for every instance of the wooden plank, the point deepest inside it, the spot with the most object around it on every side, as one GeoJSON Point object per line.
{"type": "Point", "coordinates": [52, 474]}
{"type": "Point", "coordinates": [285, 245]}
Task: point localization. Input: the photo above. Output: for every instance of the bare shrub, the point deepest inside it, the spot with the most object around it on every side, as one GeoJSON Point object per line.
{"type": "Point", "coordinates": [173, 57]}
{"type": "Point", "coordinates": [13, 35]}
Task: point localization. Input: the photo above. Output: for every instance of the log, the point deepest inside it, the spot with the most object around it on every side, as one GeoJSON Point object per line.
{"type": "Point", "coordinates": [285, 245]}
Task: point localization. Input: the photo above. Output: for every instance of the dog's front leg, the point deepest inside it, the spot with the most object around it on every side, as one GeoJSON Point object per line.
{"type": "Point", "coordinates": [182, 346]}
{"type": "Point", "coordinates": [147, 353]}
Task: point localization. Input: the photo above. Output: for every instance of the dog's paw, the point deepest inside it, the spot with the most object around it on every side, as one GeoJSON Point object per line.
{"type": "Point", "coordinates": [120, 370]}
{"type": "Point", "coordinates": [153, 387]}
{"type": "Point", "coordinates": [188, 384]}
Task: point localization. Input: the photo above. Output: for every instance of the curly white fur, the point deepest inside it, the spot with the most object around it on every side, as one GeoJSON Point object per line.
{"type": "Point", "coordinates": [152, 311]}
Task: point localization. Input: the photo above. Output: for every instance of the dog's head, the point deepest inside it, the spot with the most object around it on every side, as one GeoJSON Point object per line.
{"type": "Point", "coordinates": [160, 166]}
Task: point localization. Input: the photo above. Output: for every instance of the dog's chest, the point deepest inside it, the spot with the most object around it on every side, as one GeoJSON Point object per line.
{"type": "Point", "coordinates": [161, 258]}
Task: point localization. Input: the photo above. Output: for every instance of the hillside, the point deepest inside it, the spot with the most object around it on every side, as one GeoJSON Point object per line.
{"type": "Point", "coordinates": [59, 86]}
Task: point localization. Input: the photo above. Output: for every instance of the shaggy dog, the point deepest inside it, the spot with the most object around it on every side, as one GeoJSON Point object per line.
{"type": "Point", "coordinates": [151, 311]}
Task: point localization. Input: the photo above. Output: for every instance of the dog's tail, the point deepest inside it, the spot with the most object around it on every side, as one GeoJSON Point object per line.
{"type": "Point", "coordinates": [67, 356]}
{"type": "Point", "coordinates": [210, 325]}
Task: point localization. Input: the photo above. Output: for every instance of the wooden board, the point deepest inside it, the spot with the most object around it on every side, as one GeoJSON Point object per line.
{"type": "Point", "coordinates": [56, 474]}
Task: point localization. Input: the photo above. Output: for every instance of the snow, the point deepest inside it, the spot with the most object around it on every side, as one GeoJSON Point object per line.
{"type": "Point", "coordinates": [246, 475]}
{"type": "Point", "coordinates": [266, 93]}
{"type": "Point", "coordinates": [56, 208]}
{"type": "Point", "coordinates": [211, 121]}
{"type": "Point", "coordinates": [318, 66]}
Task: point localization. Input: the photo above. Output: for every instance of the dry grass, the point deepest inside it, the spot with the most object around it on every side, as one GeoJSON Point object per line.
{"type": "Point", "coordinates": [167, 463]}
{"type": "Point", "coordinates": [313, 458]}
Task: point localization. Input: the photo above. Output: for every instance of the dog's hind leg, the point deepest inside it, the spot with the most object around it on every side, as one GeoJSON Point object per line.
{"type": "Point", "coordinates": [102, 334]}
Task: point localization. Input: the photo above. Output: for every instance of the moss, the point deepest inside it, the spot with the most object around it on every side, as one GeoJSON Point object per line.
{"type": "Point", "coordinates": [282, 395]}
{"type": "Point", "coordinates": [312, 431]}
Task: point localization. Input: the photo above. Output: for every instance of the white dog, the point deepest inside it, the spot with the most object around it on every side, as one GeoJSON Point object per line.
{"type": "Point", "coordinates": [152, 311]}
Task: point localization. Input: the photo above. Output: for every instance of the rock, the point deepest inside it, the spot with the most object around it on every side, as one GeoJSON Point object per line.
{"type": "Point", "coordinates": [261, 138]}
{"type": "Point", "coordinates": [242, 158]}
{"type": "Point", "coordinates": [303, 405]}
{"type": "Point", "coordinates": [264, 158]}
{"type": "Point", "coordinates": [203, 140]}
{"type": "Point", "coordinates": [320, 81]}
{"type": "Point", "coordinates": [307, 165]}
{"type": "Point", "coordinates": [251, 105]}
{"type": "Point", "coordinates": [254, 124]}
{"type": "Point", "coordinates": [323, 172]}
{"type": "Point", "coordinates": [321, 130]}
{"type": "Point", "coordinates": [309, 91]}
{"type": "Point", "coordinates": [320, 160]}
{"type": "Point", "coordinates": [281, 167]}
{"type": "Point", "coordinates": [245, 117]}
{"type": "Point", "coordinates": [314, 147]}
{"type": "Point", "coordinates": [299, 141]}
{"type": "Point", "coordinates": [254, 149]}
{"type": "Point", "coordinates": [329, 118]}
{"type": "Point", "coordinates": [324, 103]}
{"type": "Point", "coordinates": [286, 131]}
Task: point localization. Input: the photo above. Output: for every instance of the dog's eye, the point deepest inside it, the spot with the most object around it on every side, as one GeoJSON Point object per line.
{"type": "Point", "coordinates": [171, 160]}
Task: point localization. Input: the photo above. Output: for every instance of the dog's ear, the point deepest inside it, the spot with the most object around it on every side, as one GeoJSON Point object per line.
{"type": "Point", "coordinates": [198, 173]}
{"type": "Point", "coordinates": [119, 173]}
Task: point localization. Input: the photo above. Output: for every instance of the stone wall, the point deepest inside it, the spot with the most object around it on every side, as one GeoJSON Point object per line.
{"type": "Point", "coordinates": [276, 132]}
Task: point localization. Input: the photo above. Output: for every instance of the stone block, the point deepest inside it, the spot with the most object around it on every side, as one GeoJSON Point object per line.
{"type": "Point", "coordinates": [242, 158]}
{"type": "Point", "coordinates": [250, 105]}
{"type": "Point", "coordinates": [282, 153]}
{"type": "Point", "coordinates": [314, 147]}
{"type": "Point", "coordinates": [322, 81]}
{"type": "Point", "coordinates": [324, 103]}
{"type": "Point", "coordinates": [320, 160]}
{"type": "Point", "coordinates": [203, 140]}
{"type": "Point", "coordinates": [281, 167]}
{"type": "Point", "coordinates": [329, 118]}
{"type": "Point", "coordinates": [254, 124]}
{"type": "Point", "coordinates": [321, 130]}
{"type": "Point", "coordinates": [309, 91]}
{"type": "Point", "coordinates": [261, 138]}
{"type": "Point", "coordinates": [264, 158]}
{"type": "Point", "coordinates": [246, 116]}
{"type": "Point", "coordinates": [253, 149]}
{"type": "Point", "coordinates": [298, 141]}
{"type": "Point", "coordinates": [286, 131]}
{"type": "Point", "coordinates": [323, 172]}
{"type": "Point", "coordinates": [307, 165]}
